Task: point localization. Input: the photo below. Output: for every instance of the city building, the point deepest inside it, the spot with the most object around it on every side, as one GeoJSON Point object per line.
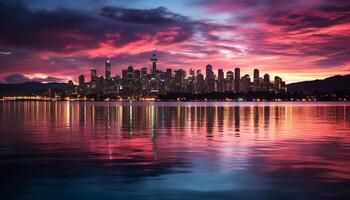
{"type": "Point", "coordinates": [154, 60]}
{"type": "Point", "coordinates": [229, 81]}
{"type": "Point", "coordinates": [237, 80]}
{"type": "Point", "coordinates": [93, 75]}
{"type": "Point", "coordinates": [210, 79]}
{"type": "Point", "coordinates": [108, 70]}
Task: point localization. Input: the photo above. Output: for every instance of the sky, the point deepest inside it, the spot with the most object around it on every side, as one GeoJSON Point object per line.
{"type": "Point", "coordinates": [47, 40]}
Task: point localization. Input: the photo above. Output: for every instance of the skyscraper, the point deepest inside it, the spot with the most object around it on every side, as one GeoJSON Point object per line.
{"type": "Point", "coordinates": [245, 83]}
{"type": "Point", "coordinates": [237, 79]}
{"type": "Point", "coordinates": [169, 74]}
{"type": "Point", "coordinates": [266, 84]}
{"type": "Point", "coordinates": [256, 75]}
{"type": "Point", "coordinates": [229, 81]}
{"type": "Point", "coordinates": [137, 81]}
{"type": "Point", "coordinates": [221, 81]}
{"type": "Point", "coordinates": [130, 76]}
{"type": "Point", "coordinates": [180, 75]}
{"type": "Point", "coordinates": [266, 78]}
{"type": "Point", "coordinates": [154, 60]}
{"type": "Point", "coordinates": [210, 78]}
{"type": "Point", "coordinates": [93, 74]}
{"type": "Point", "coordinates": [108, 70]}
{"type": "Point", "coordinates": [81, 82]}
{"type": "Point", "coordinates": [200, 83]}
{"type": "Point", "coordinates": [256, 83]}
{"type": "Point", "coordinates": [143, 72]}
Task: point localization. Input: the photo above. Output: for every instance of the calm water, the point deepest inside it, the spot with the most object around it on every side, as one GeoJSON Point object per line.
{"type": "Point", "coordinates": [87, 150]}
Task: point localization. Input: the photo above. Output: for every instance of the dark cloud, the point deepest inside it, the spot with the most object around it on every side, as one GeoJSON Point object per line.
{"type": "Point", "coordinates": [20, 78]}
{"type": "Point", "coordinates": [64, 30]}
{"type": "Point", "coordinates": [311, 18]}
{"type": "Point", "coordinates": [154, 16]}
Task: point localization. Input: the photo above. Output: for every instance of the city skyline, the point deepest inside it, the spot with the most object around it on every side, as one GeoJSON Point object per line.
{"type": "Point", "coordinates": [56, 41]}
{"type": "Point", "coordinates": [138, 82]}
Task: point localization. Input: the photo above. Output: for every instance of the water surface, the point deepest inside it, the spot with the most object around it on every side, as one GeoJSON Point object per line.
{"type": "Point", "coordinates": [192, 150]}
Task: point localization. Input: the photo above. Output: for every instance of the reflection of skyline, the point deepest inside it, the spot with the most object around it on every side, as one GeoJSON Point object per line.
{"type": "Point", "coordinates": [127, 118]}
{"type": "Point", "coordinates": [249, 123]}
{"type": "Point", "coordinates": [269, 140]}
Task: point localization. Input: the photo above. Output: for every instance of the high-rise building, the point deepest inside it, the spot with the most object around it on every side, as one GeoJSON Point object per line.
{"type": "Point", "coordinates": [221, 81]}
{"type": "Point", "coordinates": [200, 83]}
{"type": "Point", "coordinates": [81, 83]}
{"type": "Point", "coordinates": [256, 83]}
{"type": "Point", "coordinates": [266, 78]}
{"type": "Point", "coordinates": [108, 70]}
{"type": "Point", "coordinates": [180, 75]}
{"type": "Point", "coordinates": [256, 75]}
{"type": "Point", "coordinates": [266, 82]}
{"type": "Point", "coordinates": [137, 81]}
{"type": "Point", "coordinates": [210, 78]}
{"type": "Point", "coordinates": [130, 75]}
{"type": "Point", "coordinates": [143, 71]}
{"type": "Point", "coordinates": [245, 83]}
{"type": "Point", "coordinates": [99, 84]}
{"type": "Point", "coordinates": [237, 79]}
{"type": "Point", "coordinates": [280, 86]}
{"type": "Point", "coordinates": [124, 79]}
{"type": "Point", "coordinates": [154, 60]}
{"type": "Point", "coordinates": [229, 81]}
{"type": "Point", "coordinates": [169, 73]}
{"type": "Point", "coordinates": [93, 74]}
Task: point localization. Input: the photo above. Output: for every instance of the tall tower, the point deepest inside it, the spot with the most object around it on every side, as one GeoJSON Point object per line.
{"type": "Point", "coordinates": [210, 79]}
{"type": "Point", "coordinates": [237, 79]}
{"type": "Point", "coordinates": [256, 75]}
{"type": "Point", "coordinates": [93, 78]}
{"type": "Point", "coordinates": [108, 70]}
{"type": "Point", "coordinates": [154, 60]}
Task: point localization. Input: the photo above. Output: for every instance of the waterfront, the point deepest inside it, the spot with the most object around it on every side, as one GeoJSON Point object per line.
{"type": "Point", "coordinates": [174, 150]}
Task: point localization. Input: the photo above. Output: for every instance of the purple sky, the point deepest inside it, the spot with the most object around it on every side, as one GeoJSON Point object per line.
{"type": "Point", "coordinates": [58, 40]}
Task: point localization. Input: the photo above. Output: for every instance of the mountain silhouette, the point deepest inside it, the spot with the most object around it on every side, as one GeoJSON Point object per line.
{"type": "Point", "coordinates": [331, 84]}
{"type": "Point", "coordinates": [29, 88]}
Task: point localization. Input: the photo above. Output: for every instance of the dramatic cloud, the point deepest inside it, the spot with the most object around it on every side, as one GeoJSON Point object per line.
{"type": "Point", "coordinates": [294, 39]}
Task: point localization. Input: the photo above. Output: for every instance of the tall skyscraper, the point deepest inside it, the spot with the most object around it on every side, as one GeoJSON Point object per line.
{"type": "Point", "coordinates": [256, 82]}
{"type": "Point", "coordinates": [137, 81]}
{"type": "Point", "coordinates": [229, 81]}
{"type": "Point", "coordinates": [180, 75]}
{"type": "Point", "coordinates": [200, 83]}
{"type": "Point", "coordinates": [124, 79]}
{"type": "Point", "coordinates": [130, 76]}
{"type": "Point", "coordinates": [210, 78]}
{"type": "Point", "coordinates": [237, 79]}
{"type": "Point", "coordinates": [108, 70]}
{"type": "Point", "coordinates": [154, 60]}
{"type": "Point", "coordinates": [221, 81]}
{"type": "Point", "coordinates": [81, 82]}
{"type": "Point", "coordinates": [93, 74]}
{"type": "Point", "coordinates": [266, 84]}
{"type": "Point", "coordinates": [256, 75]}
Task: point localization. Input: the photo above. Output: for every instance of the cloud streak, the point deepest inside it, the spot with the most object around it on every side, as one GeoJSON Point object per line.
{"type": "Point", "coordinates": [295, 37]}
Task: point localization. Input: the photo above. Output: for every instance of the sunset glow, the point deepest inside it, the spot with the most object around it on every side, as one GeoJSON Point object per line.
{"type": "Point", "coordinates": [298, 40]}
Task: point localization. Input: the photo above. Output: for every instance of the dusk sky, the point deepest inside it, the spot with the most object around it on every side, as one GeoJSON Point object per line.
{"type": "Point", "coordinates": [47, 40]}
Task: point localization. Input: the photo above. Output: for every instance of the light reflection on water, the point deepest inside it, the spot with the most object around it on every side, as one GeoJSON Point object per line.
{"type": "Point", "coordinates": [103, 150]}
